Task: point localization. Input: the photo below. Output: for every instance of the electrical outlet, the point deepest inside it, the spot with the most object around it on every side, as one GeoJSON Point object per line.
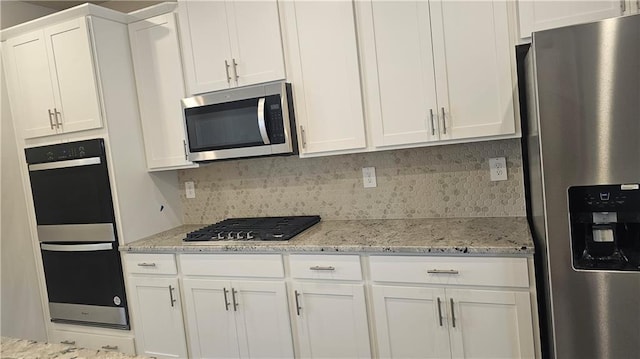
{"type": "Point", "coordinates": [498, 168]}
{"type": "Point", "coordinates": [369, 177]}
{"type": "Point", "coordinates": [190, 190]}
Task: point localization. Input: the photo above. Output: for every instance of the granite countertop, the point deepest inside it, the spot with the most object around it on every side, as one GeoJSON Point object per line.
{"type": "Point", "coordinates": [11, 348]}
{"type": "Point", "coordinates": [502, 236]}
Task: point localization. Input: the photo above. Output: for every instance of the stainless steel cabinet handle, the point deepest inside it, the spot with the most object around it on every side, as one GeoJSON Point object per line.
{"type": "Point", "coordinates": [226, 68]}
{"type": "Point", "coordinates": [322, 268]}
{"type": "Point", "coordinates": [173, 300]}
{"type": "Point", "coordinates": [298, 307]}
{"type": "Point", "coordinates": [442, 271]}
{"type": "Point", "coordinates": [433, 127]}
{"type": "Point", "coordinates": [623, 6]}
{"type": "Point", "coordinates": [146, 264]}
{"type": "Point", "coordinates": [233, 297]}
{"type": "Point", "coordinates": [235, 69]}
{"type": "Point", "coordinates": [68, 342]}
{"type": "Point", "coordinates": [51, 119]}
{"type": "Point", "coordinates": [110, 347]}
{"type": "Point", "coordinates": [262, 125]}
{"type": "Point", "coordinates": [439, 312]}
{"type": "Point", "coordinates": [184, 147]}
{"type": "Point", "coordinates": [226, 300]}
{"type": "Point", "coordinates": [453, 314]}
{"type": "Point", "coordinates": [58, 121]}
{"type": "Point", "coordinates": [444, 122]}
{"type": "Point", "coordinates": [76, 247]}
{"type": "Point", "coordinates": [304, 137]}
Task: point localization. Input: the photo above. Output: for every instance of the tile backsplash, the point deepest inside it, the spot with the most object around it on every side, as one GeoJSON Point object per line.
{"type": "Point", "coordinates": [427, 182]}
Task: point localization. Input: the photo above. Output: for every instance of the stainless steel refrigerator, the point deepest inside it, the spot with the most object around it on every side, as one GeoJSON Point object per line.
{"type": "Point", "coordinates": [582, 150]}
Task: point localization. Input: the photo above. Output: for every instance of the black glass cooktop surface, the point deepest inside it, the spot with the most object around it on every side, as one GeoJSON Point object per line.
{"type": "Point", "coordinates": [254, 229]}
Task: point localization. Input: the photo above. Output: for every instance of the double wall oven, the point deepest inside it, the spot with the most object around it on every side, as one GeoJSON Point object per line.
{"type": "Point", "coordinates": [77, 233]}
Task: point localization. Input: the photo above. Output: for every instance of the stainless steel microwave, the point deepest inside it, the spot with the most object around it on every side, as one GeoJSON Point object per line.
{"type": "Point", "coordinates": [238, 123]}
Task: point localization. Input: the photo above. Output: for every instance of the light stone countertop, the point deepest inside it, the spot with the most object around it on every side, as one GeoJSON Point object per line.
{"type": "Point", "coordinates": [11, 348]}
{"type": "Point", "coordinates": [492, 236]}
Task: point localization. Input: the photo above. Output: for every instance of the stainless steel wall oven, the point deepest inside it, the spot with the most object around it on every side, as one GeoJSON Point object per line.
{"type": "Point", "coordinates": [77, 233]}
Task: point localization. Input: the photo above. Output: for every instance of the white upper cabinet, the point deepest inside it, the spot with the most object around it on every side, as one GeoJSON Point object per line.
{"type": "Point", "coordinates": [322, 60]}
{"type": "Point", "coordinates": [158, 70]}
{"type": "Point", "coordinates": [437, 70]}
{"type": "Point", "coordinates": [406, 89]}
{"type": "Point", "coordinates": [474, 61]}
{"type": "Point", "coordinates": [543, 15]}
{"type": "Point", "coordinates": [230, 43]}
{"type": "Point", "coordinates": [52, 80]}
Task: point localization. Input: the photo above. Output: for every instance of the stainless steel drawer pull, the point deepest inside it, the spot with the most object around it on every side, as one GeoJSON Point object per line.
{"type": "Point", "coordinates": [453, 314]}
{"type": "Point", "coordinates": [226, 300]}
{"type": "Point", "coordinates": [173, 300]}
{"type": "Point", "coordinates": [57, 113]}
{"type": "Point", "coordinates": [433, 127]}
{"type": "Point", "coordinates": [322, 268]}
{"type": "Point", "coordinates": [226, 68]}
{"type": "Point", "coordinates": [442, 271]}
{"type": "Point", "coordinates": [184, 147]}
{"type": "Point", "coordinates": [51, 119]}
{"type": "Point", "coordinates": [235, 69]}
{"type": "Point", "coordinates": [146, 264]}
{"type": "Point", "coordinates": [298, 307]}
{"type": "Point", "coordinates": [444, 122]}
{"type": "Point", "coordinates": [233, 297]}
{"type": "Point", "coordinates": [68, 342]}
{"type": "Point", "coordinates": [110, 347]}
{"type": "Point", "coordinates": [304, 137]}
{"type": "Point", "coordinates": [439, 312]}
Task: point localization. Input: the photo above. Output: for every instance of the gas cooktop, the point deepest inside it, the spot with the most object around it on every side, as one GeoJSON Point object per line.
{"type": "Point", "coordinates": [255, 229]}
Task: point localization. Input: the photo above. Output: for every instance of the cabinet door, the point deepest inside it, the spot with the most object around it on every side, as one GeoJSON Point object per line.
{"type": "Point", "coordinates": [157, 317]}
{"type": "Point", "coordinates": [210, 319]}
{"type": "Point", "coordinates": [542, 15]}
{"type": "Point", "coordinates": [205, 45]}
{"type": "Point", "coordinates": [323, 58]}
{"type": "Point", "coordinates": [490, 324]}
{"type": "Point", "coordinates": [29, 84]}
{"type": "Point", "coordinates": [331, 320]}
{"type": "Point", "coordinates": [411, 322]}
{"type": "Point", "coordinates": [262, 317]}
{"type": "Point", "coordinates": [71, 65]}
{"type": "Point", "coordinates": [156, 61]}
{"type": "Point", "coordinates": [473, 60]}
{"type": "Point", "coordinates": [256, 44]}
{"type": "Point", "coordinates": [404, 87]}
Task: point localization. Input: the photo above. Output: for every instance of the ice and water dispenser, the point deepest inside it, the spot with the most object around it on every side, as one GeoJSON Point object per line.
{"type": "Point", "coordinates": [605, 227]}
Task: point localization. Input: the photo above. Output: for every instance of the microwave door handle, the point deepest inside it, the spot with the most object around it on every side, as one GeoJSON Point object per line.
{"type": "Point", "coordinates": [262, 125]}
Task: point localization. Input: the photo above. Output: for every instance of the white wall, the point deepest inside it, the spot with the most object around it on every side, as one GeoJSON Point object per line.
{"type": "Point", "coordinates": [16, 12]}
{"type": "Point", "coordinates": [21, 313]}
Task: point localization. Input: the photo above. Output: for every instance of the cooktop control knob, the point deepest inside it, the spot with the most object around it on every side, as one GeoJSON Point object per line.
{"type": "Point", "coordinates": [239, 235]}
{"type": "Point", "coordinates": [249, 236]}
{"type": "Point", "coordinates": [230, 235]}
{"type": "Point", "coordinates": [220, 236]}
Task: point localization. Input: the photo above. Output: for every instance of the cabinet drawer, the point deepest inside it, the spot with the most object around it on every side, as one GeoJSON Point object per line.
{"type": "Point", "coordinates": [151, 263]}
{"type": "Point", "coordinates": [233, 265]}
{"type": "Point", "coordinates": [509, 272]}
{"type": "Point", "coordinates": [341, 267]}
{"type": "Point", "coordinates": [94, 341]}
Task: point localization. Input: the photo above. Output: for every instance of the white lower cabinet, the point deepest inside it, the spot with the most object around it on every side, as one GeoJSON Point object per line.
{"type": "Point", "coordinates": [237, 319]}
{"type": "Point", "coordinates": [329, 306]}
{"type": "Point", "coordinates": [156, 308]}
{"type": "Point", "coordinates": [158, 317]}
{"type": "Point", "coordinates": [447, 320]}
{"type": "Point", "coordinates": [331, 320]}
{"type": "Point", "coordinates": [409, 322]}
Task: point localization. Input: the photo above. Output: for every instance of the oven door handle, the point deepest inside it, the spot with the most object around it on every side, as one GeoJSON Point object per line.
{"type": "Point", "coordinates": [65, 164]}
{"type": "Point", "coordinates": [77, 247]}
{"type": "Point", "coordinates": [262, 125]}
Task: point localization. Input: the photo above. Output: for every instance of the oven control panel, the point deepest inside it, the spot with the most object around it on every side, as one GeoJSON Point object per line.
{"type": "Point", "coordinates": [65, 151]}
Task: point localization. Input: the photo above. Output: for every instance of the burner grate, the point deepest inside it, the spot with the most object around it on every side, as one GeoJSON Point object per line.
{"type": "Point", "coordinates": [258, 228]}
